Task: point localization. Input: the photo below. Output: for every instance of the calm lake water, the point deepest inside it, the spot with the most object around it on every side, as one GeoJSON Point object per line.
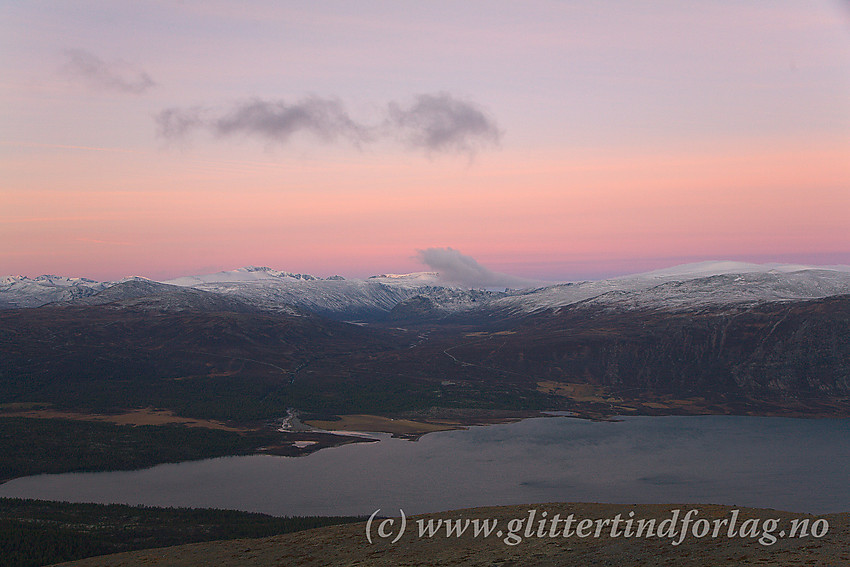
{"type": "Point", "coordinates": [788, 464]}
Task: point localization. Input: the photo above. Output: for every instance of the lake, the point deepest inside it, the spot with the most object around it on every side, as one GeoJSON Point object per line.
{"type": "Point", "coordinates": [789, 464]}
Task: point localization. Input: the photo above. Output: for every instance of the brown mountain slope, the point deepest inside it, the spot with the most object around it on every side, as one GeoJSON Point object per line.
{"type": "Point", "coordinates": [347, 544]}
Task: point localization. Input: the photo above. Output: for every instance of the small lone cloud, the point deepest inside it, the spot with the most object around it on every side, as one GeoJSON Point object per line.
{"type": "Point", "coordinates": [434, 123]}
{"type": "Point", "coordinates": [464, 270]}
{"type": "Point", "coordinates": [442, 123]}
{"type": "Point", "coordinates": [117, 76]}
{"type": "Point", "coordinates": [326, 119]}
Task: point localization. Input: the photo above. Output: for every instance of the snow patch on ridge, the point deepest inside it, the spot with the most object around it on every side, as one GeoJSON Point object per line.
{"type": "Point", "coordinates": [246, 274]}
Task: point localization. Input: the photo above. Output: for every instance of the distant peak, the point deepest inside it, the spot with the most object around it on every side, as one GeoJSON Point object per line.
{"type": "Point", "coordinates": [276, 273]}
{"type": "Point", "coordinates": [241, 275]}
{"type": "Point", "coordinates": [411, 276]}
{"type": "Point", "coordinates": [724, 267]}
{"type": "Point", "coordinates": [48, 280]}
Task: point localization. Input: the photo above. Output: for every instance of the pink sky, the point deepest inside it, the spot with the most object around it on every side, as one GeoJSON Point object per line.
{"type": "Point", "coordinates": [543, 139]}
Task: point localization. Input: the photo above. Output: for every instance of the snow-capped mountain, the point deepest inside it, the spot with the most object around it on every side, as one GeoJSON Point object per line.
{"type": "Point", "coordinates": [335, 296]}
{"type": "Point", "coordinates": [261, 287]}
{"type": "Point", "coordinates": [241, 275]}
{"type": "Point", "coordinates": [689, 286]}
{"type": "Point", "coordinates": [21, 291]}
{"type": "Point", "coordinates": [721, 267]}
{"type": "Point", "coordinates": [734, 289]}
{"type": "Point", "coordinates": [144, 294]}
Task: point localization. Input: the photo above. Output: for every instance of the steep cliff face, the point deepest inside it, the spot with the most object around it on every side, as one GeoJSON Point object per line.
{"type": "Point", "coordinates": [776, 349]}
{"type": "Point", "coordinates": [804, 348]}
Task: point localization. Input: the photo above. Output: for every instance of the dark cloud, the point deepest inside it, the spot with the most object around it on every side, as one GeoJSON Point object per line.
{"type": "Point", "coordinates": [117, 76]}
{"type": "Point", "coordinates": [326, 119]}
{"type": "Point", "coordinates": [435, 123]}
{"type": "Point", "coordinates": [442, 123]}
{"type": "Point", "coordinates": [464, 270]}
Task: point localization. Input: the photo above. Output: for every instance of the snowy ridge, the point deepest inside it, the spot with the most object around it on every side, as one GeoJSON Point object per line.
{"type": "Point", "coordinates": [688, 287]}
{"type": "Point", "coordinates": [681, 287]}
{"type": "Point", "coordinates": [721, 267]}
{"type": "Point", "coordinates": [735, 289]}
{"type": "Point", "coordinates": [338, 298]}
{"type": "Point", "coordinates": [247, 274]}
{"type": "Point", "coordinates": [335, 296]}
{"type": "Point", "coordinates": [21, 291]}
{"type": "Point", "coordinates": [430, 278]}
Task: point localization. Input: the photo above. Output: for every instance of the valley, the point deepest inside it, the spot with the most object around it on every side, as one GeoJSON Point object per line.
{"type": "Point", "coordinates": [235, 352]}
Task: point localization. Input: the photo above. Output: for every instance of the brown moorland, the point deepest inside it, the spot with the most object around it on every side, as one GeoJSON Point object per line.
{"type": "Point", "coordinates": [348, 545]}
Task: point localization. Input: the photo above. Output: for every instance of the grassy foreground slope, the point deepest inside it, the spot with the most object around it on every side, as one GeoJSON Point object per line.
{"type": "Point", "coordinates": [347, 544]}
{"type": "Point", "coordinates": [35, 533]}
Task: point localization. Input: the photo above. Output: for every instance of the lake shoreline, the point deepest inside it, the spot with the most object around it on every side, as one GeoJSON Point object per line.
{"type": "Point", "coordinates": [759, 462]}
{"type": "Point", "coordinates": [304, 433]}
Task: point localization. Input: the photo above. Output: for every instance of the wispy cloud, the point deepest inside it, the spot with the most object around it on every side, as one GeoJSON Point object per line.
{"type": "Point", "coordinates": [433, 123]}
{"type": "Point", "coordinates": [464, 270]}
{"type": "Point", "coordinates": [117, 75]}
{"type": "Point", "coordinates": [442, 123]}
{"type": "Point", "coordinates": [326, 119]}
{"type": "Point", "coordinates": [176, 123]}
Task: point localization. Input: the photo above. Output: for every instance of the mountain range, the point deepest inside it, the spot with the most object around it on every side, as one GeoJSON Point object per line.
{"type": "Point", "coordinates": [680, 288]}
{"type": "Point", "coordinates": [248, 343]}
